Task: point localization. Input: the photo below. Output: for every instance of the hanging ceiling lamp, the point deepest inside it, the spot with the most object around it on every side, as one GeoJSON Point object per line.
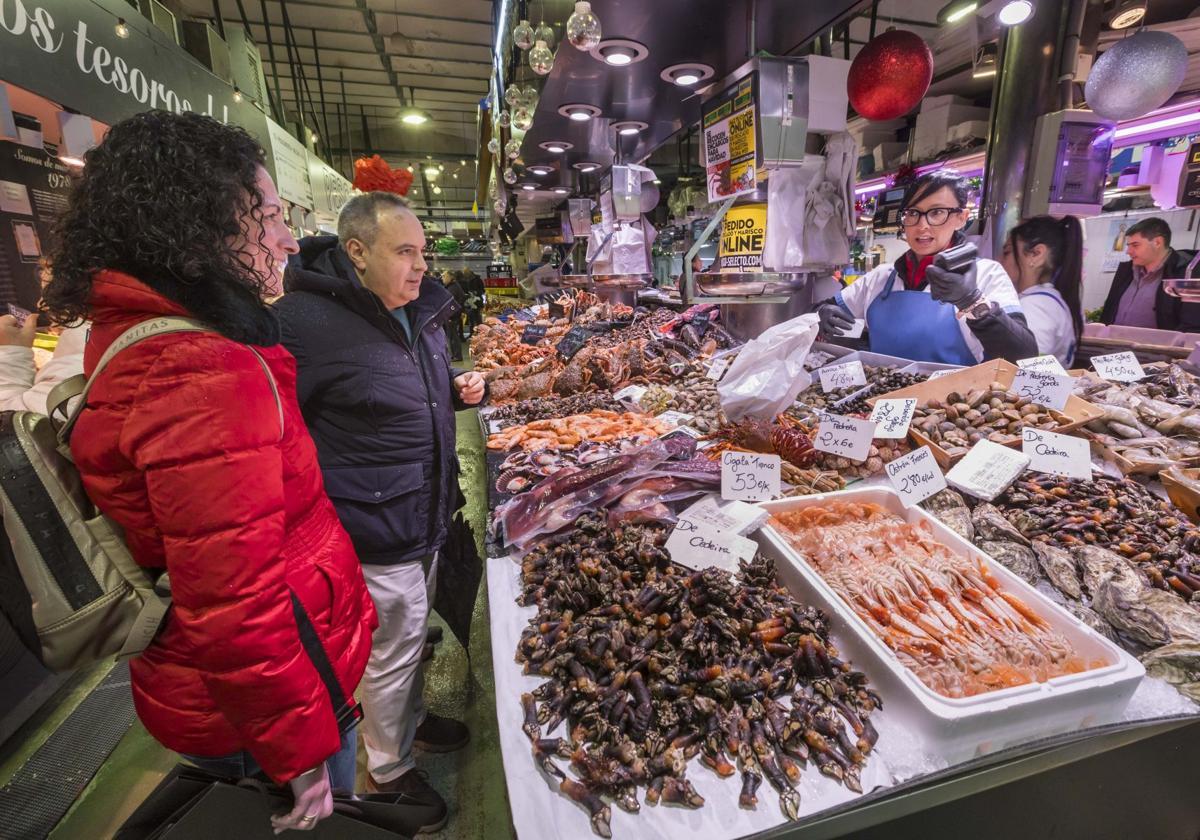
{"type": "Point", "coordinates": [541, 60]}
{"type": "Point", "coordinates": [544, 33]}
{"type": "Point", "coordinates": [523, 35]}
{"type": "Point", "coordinates": [583, 27]}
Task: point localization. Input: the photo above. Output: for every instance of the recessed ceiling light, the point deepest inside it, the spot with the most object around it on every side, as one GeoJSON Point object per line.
{"type": "Point", "coordinates": [586, 166]}
{"type": "Point", "coordinates": [528, 187]}
{"type": "Point", "coordinates": [412, 116]}
{"type": "Point", "coordinates": [579, 112]}
{"type": "Point", "coordinates": [956, 10]}
{"type": "Point", "coordinates": [628, 127]}
{"type": "Point", "coordinates": [561, 190]}
{"type": "Point", "coordinates": [556, 147]}
{"type": "Point", "coordinates": [687, 74]}
{"type": "Point", "coordinates": [620, 52]}
{"type": "Point", "coordinates": [541, 169]}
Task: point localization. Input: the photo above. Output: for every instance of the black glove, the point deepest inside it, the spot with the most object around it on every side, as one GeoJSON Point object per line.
{"type": "Point", "coordinates": [953, 287]}
{"type": "Point", "coordinates": [834, 320]}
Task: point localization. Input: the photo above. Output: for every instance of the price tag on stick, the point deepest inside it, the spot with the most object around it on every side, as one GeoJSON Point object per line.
{"type": "Point", "coordinates": [1057, 454]}
{"type": "Point", "coordinates": [1119, 367]}
{"type": "Point", "coordinates": [1046, 364]}
{"type": "Point", "coordinates": [1046, 389]}
{"type": "Point", "coordinates": [631, 394]}
{"type": "Point", "coordinates": [893, 417]}
{"type": "Point", "coordinates": [533, 334]}
{"type": "Point", "coordinates": [915, 476]}
{"type": "Point", "coordinates": [698, 545]}
{"type": "Point", "coordinates": [749, 476]}
{"type": "Point", "coordinates": [849, 437]}
{"type": "Point", "coordinates": [837, 377]}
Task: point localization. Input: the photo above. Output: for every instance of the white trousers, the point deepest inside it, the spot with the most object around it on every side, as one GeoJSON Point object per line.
{"type": "Point", "coordinates": [392, 688]}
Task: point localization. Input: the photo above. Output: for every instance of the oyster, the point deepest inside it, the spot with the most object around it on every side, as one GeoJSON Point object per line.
{"type": "Point", "coordinates": [1089, 617]}
{"type": "Point", "coordinates": [1124, 598]}
{"type": "Point", "coordinates": [1017, 558]}
{"type": "Point", "coordinates": [949, 507]}
{"type": "Point", "coordinates": [1059, 567]}
{"type": "Point", "coordinates": [990, 524]}
{"type": "Point", "coordinates": [1178, 664]}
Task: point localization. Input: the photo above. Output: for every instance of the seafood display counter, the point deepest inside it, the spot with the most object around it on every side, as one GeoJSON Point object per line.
{"type": "Point", "coordinates": [833, 661]}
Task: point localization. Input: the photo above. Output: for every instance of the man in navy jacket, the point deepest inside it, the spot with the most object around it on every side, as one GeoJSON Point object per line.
{"type": "Point", "coordinates": [379, 395]}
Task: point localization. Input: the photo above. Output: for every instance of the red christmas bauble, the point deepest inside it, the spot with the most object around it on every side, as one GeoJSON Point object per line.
{"type": "Point", "coordinates": [890, 75]}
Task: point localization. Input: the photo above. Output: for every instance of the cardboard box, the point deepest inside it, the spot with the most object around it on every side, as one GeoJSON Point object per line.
{"type": "Point", "coordinates": [828, 100]}
{"type": "Point", "coordinates": [885, 155]}
{"type": "Point", "coordinates": [933, 126]}
{"type": "Point", "coordinates": [1079, 412]}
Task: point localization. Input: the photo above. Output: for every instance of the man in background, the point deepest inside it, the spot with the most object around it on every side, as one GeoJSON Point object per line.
{"type": "Point", "coordinates": [1137, 297]}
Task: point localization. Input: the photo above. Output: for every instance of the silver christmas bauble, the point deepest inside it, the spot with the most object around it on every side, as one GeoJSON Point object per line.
{"type": "Point", "coordinates": [1136, 75]}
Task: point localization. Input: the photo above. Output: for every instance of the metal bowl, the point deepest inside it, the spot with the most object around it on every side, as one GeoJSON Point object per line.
{"type": "Point", "coordinates": [635, 280]}
{"type": "Point", "coordinates": [749, 284]}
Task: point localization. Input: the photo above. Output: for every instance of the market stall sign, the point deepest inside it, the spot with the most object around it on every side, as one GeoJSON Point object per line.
{"type": "Point", "coordinates": [915, 476]}
{"type": "Point", "coordinates": [572, 342]}
{"type": "Point", "coordinates": [893, 417]}
{"type": "Point", "coordinates": [631, 394]}
{"type": "Point", "coordinates": [698, 545]}
{"type": "Point", "coordinates": [34, 188]}
{"type": "Point", "coordinates": [987, 470]}
{"type": "Point", "coordinates": [743, 239]}
{"type": "Point", "coordinates": [1119, 367]}
{"type": "Point", "coordinates": [533, 334]}
{"type": "Point", "coordinates": [1046, 364]}
{"type": "Point", "coordinates": [838, 377]}
{"type": "Point", "coordinates": [1057, 454]}
{"type": "Point", "coordinates": [848, 437]}
{"type": "Point", "coordinates": [1042, 388]}
{"type": "Point", "coordinates": [730, 133]}
{"type": "Point", "coordinates": [750, 476]}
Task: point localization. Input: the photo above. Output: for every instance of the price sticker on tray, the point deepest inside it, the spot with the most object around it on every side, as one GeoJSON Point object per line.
{"type": "Point", "coordinates": [1045, 364]}
{"type": "Point", "coordinates": [750, 477]}
{"type": "Point", "coordinates": [1119, 367]}
{"type": "Point", "coordinates": [938, 374]}
{"type": "Point", "coordinates": [1043, 388]}
{"type": "Point", "coordinates": [1057, 454]}
{"type": "Point", "coordinates": [987, 470]}
{"type": "Point", "coordinates": [915, 476]}
{"type": "Point", "coordinates": [698, 545]}
{"type": "Point", "coordinates": [893, 417]}
{"type": "Point", "coordinates": [848, 437]}
{"type": "Point", "coordinates": [837, 377]}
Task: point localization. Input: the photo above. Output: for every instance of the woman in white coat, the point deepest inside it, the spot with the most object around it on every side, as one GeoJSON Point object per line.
{"type": "Point", "coordinates": [1044, 258]}
{"type": "Point", "coordinates": [24, 386]}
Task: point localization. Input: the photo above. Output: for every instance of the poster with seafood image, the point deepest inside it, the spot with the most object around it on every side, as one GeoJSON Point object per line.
{"type": "Point", "coordinates": [731, 140]}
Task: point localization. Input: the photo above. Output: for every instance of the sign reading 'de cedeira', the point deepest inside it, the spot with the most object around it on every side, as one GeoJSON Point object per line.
{"type": "Point", "coordinates": [1057, 454]}
{"type": "Point", "coordinates": [698, 545]}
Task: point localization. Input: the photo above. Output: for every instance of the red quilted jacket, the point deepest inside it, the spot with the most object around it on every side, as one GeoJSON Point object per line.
{"type": "Point", "coordinates": [271, 623]}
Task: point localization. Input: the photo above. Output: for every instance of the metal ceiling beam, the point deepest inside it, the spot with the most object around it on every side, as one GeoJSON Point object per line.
{"type": "Point", "coordinates": [421, 16]}
{"type": "Point", "coordinates": [351, 51]}
{"type": "Point", "coordinates": [479, 45]}
{"type": "Point", "coordinates": [421, 87]}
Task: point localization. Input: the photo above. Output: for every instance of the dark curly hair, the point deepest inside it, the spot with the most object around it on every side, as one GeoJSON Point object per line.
{"type": "Point", "coordinates": [161, 199]}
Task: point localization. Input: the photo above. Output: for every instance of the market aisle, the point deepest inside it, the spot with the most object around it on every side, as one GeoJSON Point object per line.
{"type": "Point", "coordinates": [472, 780]}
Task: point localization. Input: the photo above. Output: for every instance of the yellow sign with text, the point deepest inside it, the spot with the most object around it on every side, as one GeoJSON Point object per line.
{"type": "Point", "coordinates": [743, 239]}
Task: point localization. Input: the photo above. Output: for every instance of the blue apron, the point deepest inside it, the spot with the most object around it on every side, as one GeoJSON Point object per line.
{"type": "Point", "coordinates": [912, 325]}
{"type": "Point", "coordinates": [1057, 299]}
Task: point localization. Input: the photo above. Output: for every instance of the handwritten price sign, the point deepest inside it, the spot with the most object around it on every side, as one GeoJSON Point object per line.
{"type": "Point", "coordinates": [718, 367]}
{"type": "Point", "coordinates": [1057, 454]}
{"type": "Point", "coordinates": [1046, 364]}
{"type": "Point", "coordinates": [987, 470]}
{"type": "Point", "coordinates": [848, 437]}
{"type": "Point", "coordinates": [915, 476]}
{"type": "Point", "coordinates": [698, 545]}
{"type": "Point", "coordinates": [893, 417]}
{"type": "Point", "coordinates": [750, 477]}
{"type": "Point", "coordinates": [1119, 367]}
{"type": "Point", "coordinates": [1048, 389]}
{"type": "Point", "coordinates": [837, 377]}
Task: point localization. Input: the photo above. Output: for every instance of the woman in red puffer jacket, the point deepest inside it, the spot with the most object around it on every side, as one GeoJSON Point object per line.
{"type": "Point", "coordinates": [184, 444]}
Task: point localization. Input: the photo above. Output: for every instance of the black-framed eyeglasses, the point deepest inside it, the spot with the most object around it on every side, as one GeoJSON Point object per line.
{"type": "Point", "coordinates": [936, 216]}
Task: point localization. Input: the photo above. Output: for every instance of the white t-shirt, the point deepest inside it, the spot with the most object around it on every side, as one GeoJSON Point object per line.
{"type": "Point", "coordinates": [1050, 321]}
{"type": "Point", "coordinates": [990, 276]}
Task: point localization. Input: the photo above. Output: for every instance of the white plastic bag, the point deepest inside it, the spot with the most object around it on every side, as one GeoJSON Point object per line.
{"type": "Point", "coordinates": [768, 373]}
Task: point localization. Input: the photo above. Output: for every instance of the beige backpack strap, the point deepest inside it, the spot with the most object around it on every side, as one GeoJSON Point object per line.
{"type": "Point", "coordinates": [77, 386]}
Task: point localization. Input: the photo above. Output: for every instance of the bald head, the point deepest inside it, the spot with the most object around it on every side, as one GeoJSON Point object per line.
{"type": "Point", "coordinates": [361, 215]}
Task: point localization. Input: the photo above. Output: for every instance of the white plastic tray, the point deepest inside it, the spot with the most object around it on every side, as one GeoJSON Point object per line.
{"type": "Point", "coordinates": [961, 728]}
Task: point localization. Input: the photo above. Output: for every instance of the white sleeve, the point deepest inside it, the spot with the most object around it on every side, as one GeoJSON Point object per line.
{"type": "Point", "coordinates": [1042, 314]}
{"type": "Point", "coordinates": [858, 295]}
{"type": "Point", "coordinates": [996, 286]}
{"type": "Point", "coordinates": [21, 389]}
